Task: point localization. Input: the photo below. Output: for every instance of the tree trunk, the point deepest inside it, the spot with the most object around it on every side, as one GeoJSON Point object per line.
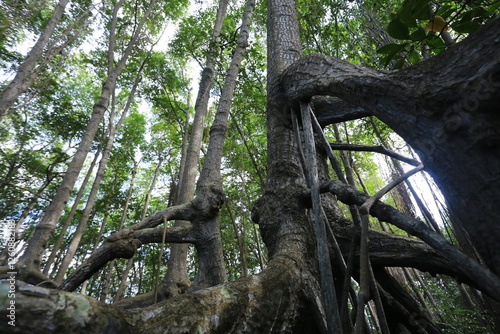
{"type": "Point", "coordinates": [286, 297]}
{"type": "Point", "coordinates": [176, 280]}
{"type": "Point", "coordinates": [445, 108]}
{"type": "Point", "coordinates": [241, 243]}
{"type": "Point", "coordinates": [29, 263]}
{"type": "Point", "coordinates": [69, 219]}
{"type": "Point", "coordinates": [121, 289]}
{"type": "Point", "coordinates": [112, 132]}
{"type": "Point", "coordinates": [49, 178]}
{"type": "Point", "coordinates": [24, 73]}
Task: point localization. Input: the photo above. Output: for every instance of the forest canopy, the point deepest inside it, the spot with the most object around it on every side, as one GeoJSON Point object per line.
{"type": "Point", "coordinates": [248, 167]}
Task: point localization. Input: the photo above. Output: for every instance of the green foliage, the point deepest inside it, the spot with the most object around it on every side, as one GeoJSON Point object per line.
{"type": "Point", "coordinates": [193, 36]}
{"type": "Point", "coordinates": [453, 310]}
{"type": "Point", "coordinates": [40, 136]}
{"type": "Point", "coordinates": [40, 132]}
{"type": "Point", "coordinates": [410, 25]}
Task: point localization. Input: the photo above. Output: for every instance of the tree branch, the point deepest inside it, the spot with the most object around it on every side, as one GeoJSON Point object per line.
{"type": "Point", "coordinates": [402, 96]}
{"type": "Point", "coordinates": [487, 281]}
{"type": "Point", "coordinates": [329, 110]}
{"type": "Point", "coordinates": [311, 170]}
{"type": "Point", "coordinates": [373, 148]}
{"type": "Point", "coordinates": [177, 212]}
{"type": "Point", "coordinates": [248, 304]}
{"type": "Point", "coordinates": [124, 248]}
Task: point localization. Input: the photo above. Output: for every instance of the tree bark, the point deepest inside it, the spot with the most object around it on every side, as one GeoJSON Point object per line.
{"type": "Point", "coordinates": [176, 280]}
{"type": "Point", "coordinates": [106, 153]}
{"type": "Point", "coordinates": [21, 81]}
{"type": "Point", "coordinates": [445, 108]}
{"type": "Point", "coordinates": [29, 263]}
{"type": "Point", "coordinates": [69, 219]}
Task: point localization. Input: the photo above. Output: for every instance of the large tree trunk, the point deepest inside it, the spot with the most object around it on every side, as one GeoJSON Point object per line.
{"type": "Point", "coordinates": [445, 108]}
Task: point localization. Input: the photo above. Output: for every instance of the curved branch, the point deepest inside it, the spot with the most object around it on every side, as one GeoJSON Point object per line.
{"type": "Point", "coordinates": [329, 110]}
{"type": "Point", "coordinates": [409, 93]}
{"type": "Point", "coordinates": [120, 249]}
{"type": "Point", "coordinates": [488, 282]}
{"type": "Point", "coordinates": [390, 250]}
{"type": "Point", "coordinates": [124, 248]}
{"type": "Point", "coordinates": [179, 212]}
{"type": "Point", "coordinates": [253, 305]}
{"type": "Point", "coordinates": [202, 209]}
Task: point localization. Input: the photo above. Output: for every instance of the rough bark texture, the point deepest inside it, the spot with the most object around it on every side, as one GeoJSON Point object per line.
{"type": "Point", "coordinates": [445, 108]}
{"type": "Point", "coordinates": [286, 297]}
{"type": "Point", "coordinates": [176, 280]}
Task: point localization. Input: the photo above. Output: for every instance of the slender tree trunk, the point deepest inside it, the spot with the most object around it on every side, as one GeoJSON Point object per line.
{"type": "Point", "coordinates": [31, 205]}
{"type": "Point", "coordinates": [107, 281]}
{"type": "Point", "coordinates": [97, 240]}
{"type": "Point", "coordinates": [29, 263]}
{"type": "Point", "coordinates": [176, 280]}
{"type": "Point", "coordinates": [82, 224]}
{"type": "Point", "coordinates": [185, 145]}
{"type": "Point", "coordinates": [20, 82]}
{"type": "Point", "coordinates": [24, 214]}
{"type": "Point", "coordinates": [209, 248]}
{"type": "Point", "coordinates": [121, 289]}
{"type": "Point", "coordinates": [112, 264]}
{"type": "Point", "coordinates": [151, 188]}
{"type": "Point", "coordinates": [113, 130]}
{"type": "Point", "coordinates": [241, 244]}
{"type": "Point", "coordinates": [69, 219]}
{"type": "Point", "coordinates": [260, 252]}
{"type": "Point", "coordinates": [123, 282]}
{"type": "Point", "coordinates": [251, 155]}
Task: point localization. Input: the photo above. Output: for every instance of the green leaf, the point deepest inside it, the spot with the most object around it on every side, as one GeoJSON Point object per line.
{"type": "Point", "coordinates": [421, 10]}
{"type": "Point", "coordinates": [400, 63]}
{"type": "Point", "coordinates": [398, 29]}
{"type": "Point", "coordinates": [466, 26]}
{"type": "Point", "coordinates": [493, 9]}
{"type": "Point", "coordinates": [405, 13]}
{"type": "Point", "coordinates": [445, 11]}
{"type": "Point", "coordinates": [418, 35]}
{"type": "Point", "coordinates": [479, 12]}
{"type": "Point", "coordinates": [436, 42]}
{"type": "Point", "coordinates": [391, 48]}
{"type": "Point", "coordinates": [414, 57]}
{"type": "Point", "coordinates": [388, 59]}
